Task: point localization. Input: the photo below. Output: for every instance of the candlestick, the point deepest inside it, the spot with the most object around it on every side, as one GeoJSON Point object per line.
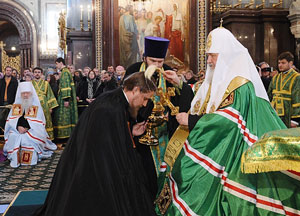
{"type": "Point", "coordinates": [89, 25]}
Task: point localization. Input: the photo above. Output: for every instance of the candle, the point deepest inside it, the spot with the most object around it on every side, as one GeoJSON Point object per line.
{"type": "Point", "coordinates": [81, 12]}
{"type": "Point", "coordinates": [89, 12]}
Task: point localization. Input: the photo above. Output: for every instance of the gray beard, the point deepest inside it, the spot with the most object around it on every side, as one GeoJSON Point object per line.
{"type": "Point", "coordinates": [209, 76]}
{"type": "Point", "coordinates": [26, 103]}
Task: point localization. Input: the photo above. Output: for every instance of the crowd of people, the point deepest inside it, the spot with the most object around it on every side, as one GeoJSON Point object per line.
{"type": "Point", "coordinates": [205, 152]}
{"type": "Point", "coordinates": [88, 83]}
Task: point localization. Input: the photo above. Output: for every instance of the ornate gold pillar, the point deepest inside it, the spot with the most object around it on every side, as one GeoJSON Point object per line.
{"type": "Point", "coordinates": [202, 32]}
{"type": "Point", "coordinates": [98, 32]}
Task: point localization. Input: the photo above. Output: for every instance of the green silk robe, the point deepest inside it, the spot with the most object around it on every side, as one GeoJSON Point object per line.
{"type": "Point", "coordinates": [274, 151]}
{"type": "Point", "coordinates": [48, 101]}
{"type": "Point", "coordinates": [284, 94]}
{"type": "Point", "coordinates": [65, 118]}
{"type": "Point", "coordinates": [206, 178]}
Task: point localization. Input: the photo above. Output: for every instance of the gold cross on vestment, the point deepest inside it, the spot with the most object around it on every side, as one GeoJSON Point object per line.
{"type": "Point", "coordinates": [2, 45]}
{"type": "Point", "coordinates": [221, 23]}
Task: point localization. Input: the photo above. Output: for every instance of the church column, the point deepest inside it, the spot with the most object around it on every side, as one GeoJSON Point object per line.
{"type": "Point", "coordinates": [294, 17]}
{"type": "Point", "coordinates": [25, 52]}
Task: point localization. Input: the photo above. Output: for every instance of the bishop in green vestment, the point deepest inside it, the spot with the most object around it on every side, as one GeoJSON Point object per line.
{"type": "Point", "coordinates": [284, 91]}
{"type": "Point", "coordinates": [204, 174]}
{"type": "Point", "coordinates": [46, 97]}
{"type": "Point", "coordinates": [66, 115]}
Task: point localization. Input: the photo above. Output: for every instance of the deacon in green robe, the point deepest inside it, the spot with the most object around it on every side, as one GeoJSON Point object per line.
{"type": "Point", "coordinates": [66, 115]}
{"type": "Point", "coordinates": [204, 174]}
{"type": "Point", "coordinates": [284, 91]}
{"type": "Point", "coordinates": [46, 97]}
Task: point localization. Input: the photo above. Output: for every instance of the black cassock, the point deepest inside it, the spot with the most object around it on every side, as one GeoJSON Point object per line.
{"type": "Point", "coordinates": [183, 100]}
{"type": "Point", "coordinates": [100, 172]}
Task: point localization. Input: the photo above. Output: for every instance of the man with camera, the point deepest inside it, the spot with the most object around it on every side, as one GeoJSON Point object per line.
{"type": "Point", "coordinates": [265, 74]}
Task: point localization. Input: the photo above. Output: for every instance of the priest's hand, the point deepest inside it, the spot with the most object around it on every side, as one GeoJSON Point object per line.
{"type": "Point", "coordinates": [66, 104]}
{"type": "Point", "coordinates": [22, 130]}
{"type": "Point", "coordinates": [139, 128]}
{"type": "Point", "coordinates": [183, 118]}
{"type": "Point", "coordinates": [172, 77]}
{"type": "Point", "coordinates": [294, 124]}
{"type": "Point", "coordinates": [90, 100]}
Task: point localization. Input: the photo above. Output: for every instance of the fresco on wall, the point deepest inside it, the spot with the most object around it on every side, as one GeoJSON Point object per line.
{"type": "Point", "coordinates": [168, 19]}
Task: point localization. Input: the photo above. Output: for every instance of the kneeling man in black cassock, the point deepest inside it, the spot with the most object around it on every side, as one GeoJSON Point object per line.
{"type": "Point", "coordinates": [100, 172]}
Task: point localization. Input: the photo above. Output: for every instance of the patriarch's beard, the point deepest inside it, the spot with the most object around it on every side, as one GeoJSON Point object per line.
{"type": "Point", "coordinates": [26, 103]}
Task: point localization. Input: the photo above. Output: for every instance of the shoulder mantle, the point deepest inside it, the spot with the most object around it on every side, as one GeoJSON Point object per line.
{"type": "Point", "coordinates": [233, 85]}
{"type": "Point", "coordinates": [228, 97]}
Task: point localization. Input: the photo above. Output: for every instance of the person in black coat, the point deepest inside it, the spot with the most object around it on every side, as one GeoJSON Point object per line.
{"type": "Point", "coordinates": [54, 85]}
{"type": "Point", "coordinates": [108, 83]}
{"type": "Point", "coordinates": [77, 78]}
{"type": "Point", "coordinates": [86, 91]}
{"type": "Point", "coordinates": [100, 171]}
{"type": "Point", "coordinates": [8, 87]}
{"type": "Point", "coordinates": [155, 52]}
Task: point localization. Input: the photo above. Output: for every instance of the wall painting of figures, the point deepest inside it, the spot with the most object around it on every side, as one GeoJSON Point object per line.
{"type": "Point", "coordinates": [168, 19]}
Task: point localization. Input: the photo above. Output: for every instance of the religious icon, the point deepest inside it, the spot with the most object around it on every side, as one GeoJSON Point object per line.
{"type": "Point", "coordinates": [153, 18]}
{"type": "Point", "coordinates": [32, 111]}
{"type": "Point", "coordinates": [17, 110]}
{"type": "Point", "coordinates": [26, 157]}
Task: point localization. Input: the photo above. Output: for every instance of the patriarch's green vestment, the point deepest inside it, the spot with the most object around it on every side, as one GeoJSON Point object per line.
{"type": "Point", "coordinates": [206, 179]}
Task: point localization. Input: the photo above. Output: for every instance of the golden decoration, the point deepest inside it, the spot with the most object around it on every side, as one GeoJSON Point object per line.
{"type": "Point", "coordinates": [98, 33]}
{"type": "Point", "coordinates": [238, 4]}
{"type": "Point", "coordinates": [251, 3]}
{"type": "Point", "coordinates": [14, 62]}
{"type": "Point", "coordinates": [175, 145]}
{"type": "Point", "coordinates": [202, 33]}
{"type": "Point", "coordinates": [62, 31]}
{"type": "Point", "coordinates": [278, 4]}
{"type": "Point", "coordinates": [32, 111]}
{"type": "Point", "coordinates": [262, 5]}
{"type": "Point", "coordinates": [209, 42]}
{"type": "Point", "coordinates": [157, 116]}
{"type": "Point", "coordinates": [228, 101]}
{"type": "Point", "coordinates": [164, 199]}
{"type": "Point", "coordinates": [17, 110]}
{"type": "Point", "coordinates": [26, 157]}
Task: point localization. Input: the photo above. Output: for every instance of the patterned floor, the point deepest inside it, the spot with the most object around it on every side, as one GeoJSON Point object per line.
{"type": "Point", "coordinates": [36, 177]}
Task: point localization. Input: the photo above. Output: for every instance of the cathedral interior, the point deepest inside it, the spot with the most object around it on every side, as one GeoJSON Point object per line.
{"type": "Point", "coordinates": [90, 33]}
{"type": "Point", "coordinates": [87, 32]}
